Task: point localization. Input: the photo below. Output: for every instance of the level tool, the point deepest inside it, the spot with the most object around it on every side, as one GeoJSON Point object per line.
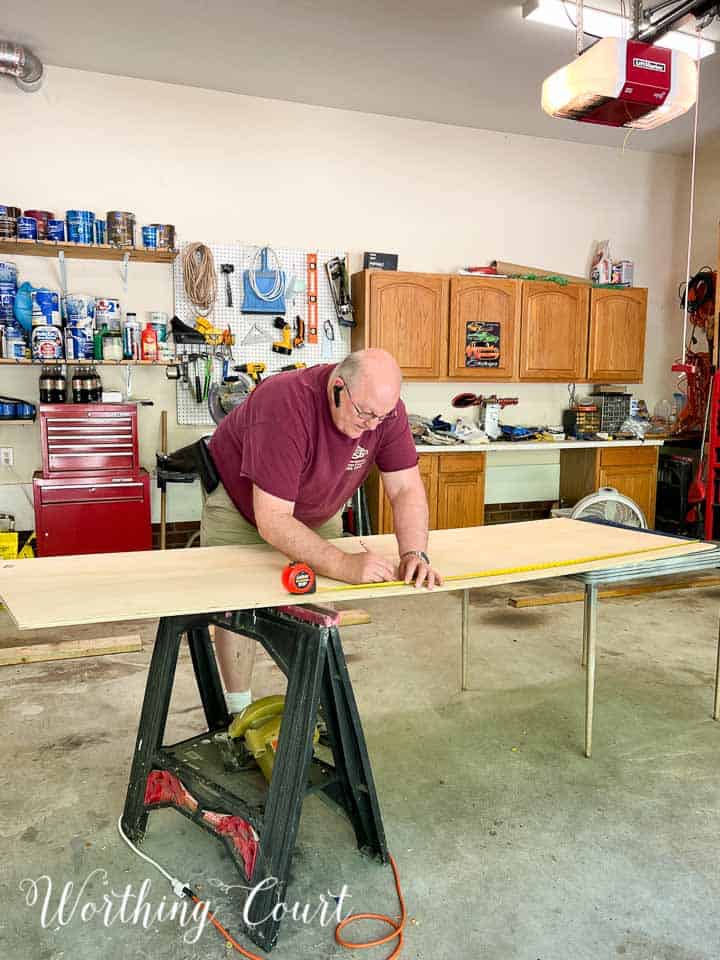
{"type": "Point", "coordinates": [312, 298]}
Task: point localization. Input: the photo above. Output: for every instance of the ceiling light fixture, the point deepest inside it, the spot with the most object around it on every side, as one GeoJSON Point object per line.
{"type": "Point", "coordinates": [600, 23]}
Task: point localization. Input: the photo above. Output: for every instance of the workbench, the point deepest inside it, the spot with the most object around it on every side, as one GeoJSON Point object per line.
{"type": "Point", "coordinates": [460, 479]}
{"type": "Point", "coordinates": [239, 588]}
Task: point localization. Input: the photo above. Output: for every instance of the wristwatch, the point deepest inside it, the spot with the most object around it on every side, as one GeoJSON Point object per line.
{"type": "Point", "coordinates": [417, 553]}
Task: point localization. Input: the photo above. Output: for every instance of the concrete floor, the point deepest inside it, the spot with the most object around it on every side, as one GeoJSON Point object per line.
{"type": "Point", "coordinates": [510, 844]}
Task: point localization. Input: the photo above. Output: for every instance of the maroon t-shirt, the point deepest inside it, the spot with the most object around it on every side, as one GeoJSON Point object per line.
{"type": "Point", "coordinates": [284, 440]}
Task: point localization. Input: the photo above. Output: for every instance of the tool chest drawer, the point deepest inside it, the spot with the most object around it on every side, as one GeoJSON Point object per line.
{"type": "Point", "coordinates": [79, 438]}
{"type": "Point", "coordinates": [94, 516]}
{"type": "Point", "coordinates": [91, 491]}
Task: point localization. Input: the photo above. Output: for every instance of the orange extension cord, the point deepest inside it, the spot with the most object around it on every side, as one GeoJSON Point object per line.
{"type": "Point", "coordinates": [397, 926]}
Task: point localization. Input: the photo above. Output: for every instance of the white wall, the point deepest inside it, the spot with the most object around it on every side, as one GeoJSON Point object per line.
{"type": "Point", "coordinates": [221, 166]}
{"type": "Point", "coordinates": [707, 206]}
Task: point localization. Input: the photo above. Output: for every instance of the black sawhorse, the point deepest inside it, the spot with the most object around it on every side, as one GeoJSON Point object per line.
{"type": "Point", "coordinates": [204, 778]}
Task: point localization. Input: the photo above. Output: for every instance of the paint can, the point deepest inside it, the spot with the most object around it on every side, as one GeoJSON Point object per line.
{"type": "Point", "coordinates": [42, 217]}
{"type": "Point", "coordinates": [27, 228]}
{"type": "Point", "coordinates": [120, 228]}
{"type": "Point", "coordinates": [8, 227]}
{"type": "Point", "coordinates": [107, 313]}
{"type": "Point", "coordinates": [47, 343]}
{"type": "Point", "coordinates": [100, 231]}
{"type": "Point", "coordinates": [47, 303]}
{"type": "Point", "coordinates": [7, 211]}
{"type": "Point", "coordinates": [80, 226]}
{"type": "Point", "coordinates": [165, 235]}
{"type": "Point", "coordinates": [8, 273]}
{"type": "Point", "coordinates": [56, 230]}
{"type": "Point", "coordinates": [150, 237]}
{"type": "Point", "coordinates": [79, 343]}
{"type": "Point", "coordinates": [7, 308]}
{"type": "Point", "coordinates": [8, 289]}
{"type": "Point", "coordinates": [78, 310]}
{"type": "Point", "coordinates": [14, 345]}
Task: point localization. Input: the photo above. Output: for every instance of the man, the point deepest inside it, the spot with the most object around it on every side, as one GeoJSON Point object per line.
{"type": "Point", "coordinates": [291, 456]}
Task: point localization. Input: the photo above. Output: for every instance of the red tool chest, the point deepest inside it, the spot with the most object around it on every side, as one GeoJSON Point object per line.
{"type": "Point", "coordinates": [92, 496]}
{"type": "Point", "coordinates": [83, 438]}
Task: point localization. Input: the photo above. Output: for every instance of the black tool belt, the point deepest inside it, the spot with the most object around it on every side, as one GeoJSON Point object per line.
{"type": "Point", "coordinates": [183, 465]}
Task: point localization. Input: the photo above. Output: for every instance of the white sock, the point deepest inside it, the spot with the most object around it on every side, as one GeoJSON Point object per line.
{"type": "Point", "coordinates": [238, 701]}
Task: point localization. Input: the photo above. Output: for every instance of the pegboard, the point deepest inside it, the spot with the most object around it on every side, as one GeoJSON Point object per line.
{"type": "Point", "coordinates": [241, 256]}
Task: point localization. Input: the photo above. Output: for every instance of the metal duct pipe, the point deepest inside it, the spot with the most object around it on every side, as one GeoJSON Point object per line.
{"type": "Point", "coordinates": [19, 62]}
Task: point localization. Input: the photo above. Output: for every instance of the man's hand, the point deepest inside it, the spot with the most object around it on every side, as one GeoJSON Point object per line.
{"type": "Point", "coordinates": [367, 567]}
{"type": "Point", "coordinates": [414, 568]}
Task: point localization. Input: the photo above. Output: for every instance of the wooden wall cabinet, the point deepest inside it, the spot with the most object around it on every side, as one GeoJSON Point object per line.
{"type": "Point", "coordinates": [455, 486]}
{"type": "Point", "coordinates": [484, 329]}
{"type": "Point", "coordinates": [616, 348]}
{"type": "Point", "coordinates": [631, 470]}
{"type": "Point", "coordinates": [435, 324]}
{"type": "Point", "coordinates": [405, 314]}
{"type": "Point", "coordinates": [554, 332]}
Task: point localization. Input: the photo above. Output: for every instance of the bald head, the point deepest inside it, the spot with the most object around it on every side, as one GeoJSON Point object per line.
{"type": "Point", "coordinates": [374, 365]}
{"type": "Point", "coordinates": [374, 380]}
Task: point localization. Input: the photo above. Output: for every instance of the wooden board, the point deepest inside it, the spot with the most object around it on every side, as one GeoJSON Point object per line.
{"type": "Point", "coordinates": [504, 266]}
{"type": "Point", "coordinates": [614, 593]}
{"type": "Point", "coordinates": [70, 649]}
{"type": "Point", "coordinates": [84, 251]}
{"type": "Point", "coordinates": [353, 617]}
{"type": "Point", "coordinates": [57, 591]}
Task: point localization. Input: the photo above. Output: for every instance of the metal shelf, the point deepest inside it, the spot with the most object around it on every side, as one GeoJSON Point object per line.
{"type": "Point", "coordinates": [84, 251]}
{"type": "Point", "coordinates": [94, 363]}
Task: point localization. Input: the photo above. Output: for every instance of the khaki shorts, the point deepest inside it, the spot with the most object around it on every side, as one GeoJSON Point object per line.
{"type": "Point", "coordinates": [223, 525]}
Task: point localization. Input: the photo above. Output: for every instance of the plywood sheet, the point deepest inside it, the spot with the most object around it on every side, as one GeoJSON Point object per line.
{"type": "Point", "coordinates": [60, 591]}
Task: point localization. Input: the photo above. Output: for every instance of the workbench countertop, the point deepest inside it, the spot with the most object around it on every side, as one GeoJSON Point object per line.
{"type": "Point", "coordinates": [525, 446]}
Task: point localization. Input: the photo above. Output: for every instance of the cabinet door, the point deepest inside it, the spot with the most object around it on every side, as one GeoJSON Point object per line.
{"type": "Point", "coordinates": [617, 335]}
{"type": "Point", "coordinates": [484, 328]}
{"type": "Point", "coordinates": [378, 503]}
{"type": "Point", "coordinates": [638, 482]}
{"type": "Point", "coordinates": [461, 490]}
{"type": "Point", "coordinates": [409, 318]}
{"type": "Point", "coordinates": [633, 472]}
{"type": "Point", "coordinates": [381, 514]}
{"type": "Point", "coordinates": [427, 465]}
{"type": "Point", "coordinates": [554, 331]}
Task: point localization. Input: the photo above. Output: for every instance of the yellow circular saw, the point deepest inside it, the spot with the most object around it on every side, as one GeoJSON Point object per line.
{"type": "Point", "coordinates": [259, 725]}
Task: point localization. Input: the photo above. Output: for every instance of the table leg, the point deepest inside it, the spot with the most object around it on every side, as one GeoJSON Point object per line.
{"type": "Point", "coordinates": [586, 621]}
{"type": "Point", "coordinates": [590, 634]}
{"type": "Point", "coordinates": [716, 702]}
{"type": "Point", "coordinates": [464, 639]}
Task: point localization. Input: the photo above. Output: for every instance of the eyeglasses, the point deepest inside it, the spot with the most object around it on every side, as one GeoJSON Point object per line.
{"type": "Point", "coordinates": [364, 415]}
